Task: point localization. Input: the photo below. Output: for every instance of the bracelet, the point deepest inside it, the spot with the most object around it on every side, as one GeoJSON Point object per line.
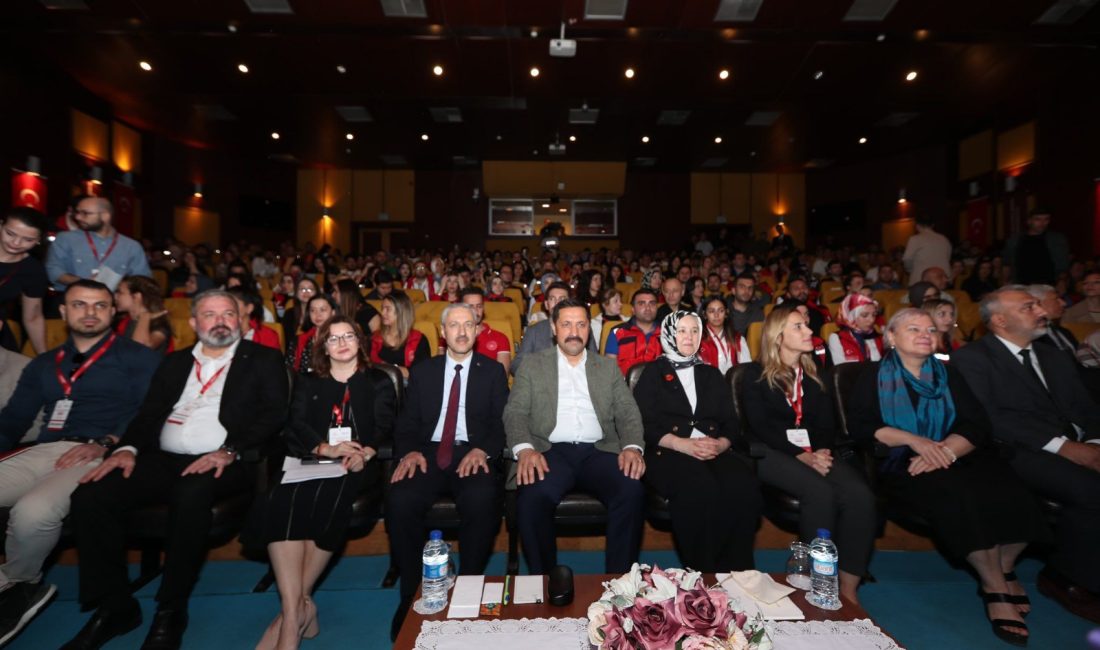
{"type": "Point", "coordinates": [954, 457]}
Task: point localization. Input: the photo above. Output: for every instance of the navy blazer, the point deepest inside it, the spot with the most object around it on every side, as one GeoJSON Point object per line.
{"type": "Point", "coordinates": [486, 394]}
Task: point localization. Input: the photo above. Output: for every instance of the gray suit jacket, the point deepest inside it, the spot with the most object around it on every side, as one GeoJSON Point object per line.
{"type": "Point", "coordinates": [532, 410]}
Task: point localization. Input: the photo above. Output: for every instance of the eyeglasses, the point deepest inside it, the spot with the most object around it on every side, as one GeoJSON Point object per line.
{"type": "Point", "coordinates": [348, 338]}
{"type": "Point", "coordinates": [307, 290]}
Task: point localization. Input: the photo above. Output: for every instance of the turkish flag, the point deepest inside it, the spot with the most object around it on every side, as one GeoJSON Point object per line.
{"type": "Point", "coordinates": [28, 191]}
{"type": "Point", "coordinates": [124, 199]}
{"type": "Point", "coordinates": [977, 221]}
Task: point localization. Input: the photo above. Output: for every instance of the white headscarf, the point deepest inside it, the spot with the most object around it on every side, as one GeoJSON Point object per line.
{"type": "Point", "coordinates": [668, 340]}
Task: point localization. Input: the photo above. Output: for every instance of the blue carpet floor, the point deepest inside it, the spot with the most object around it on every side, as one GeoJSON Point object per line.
{"type": "Point", "coordinates": [919, 598]}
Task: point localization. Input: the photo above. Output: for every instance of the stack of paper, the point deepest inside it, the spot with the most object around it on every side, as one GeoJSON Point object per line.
{"type": "Point", "coordinates": [295, 472]}
{"type": "Point", "coordinates": [757, 592]}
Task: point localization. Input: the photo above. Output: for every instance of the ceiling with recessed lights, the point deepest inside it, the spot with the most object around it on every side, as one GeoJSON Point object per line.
{"type": "Point", "coordinates": [751, 84]}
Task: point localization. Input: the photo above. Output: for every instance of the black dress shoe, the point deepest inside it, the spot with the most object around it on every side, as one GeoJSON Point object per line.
{"type": "Point", "coordinates": [105, 625]}
{"type": "Point", "coordinates": [399, 617]}
{"type": "Point", "coordinates": [166, 632]}
{"type": "Point", "coordinates": [1074, 598]}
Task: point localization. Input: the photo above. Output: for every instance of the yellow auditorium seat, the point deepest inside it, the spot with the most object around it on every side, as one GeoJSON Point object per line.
{"type": "Point", "coordinates": [430, 332]}
{"type": "Point", "coordinates": [178, 307]}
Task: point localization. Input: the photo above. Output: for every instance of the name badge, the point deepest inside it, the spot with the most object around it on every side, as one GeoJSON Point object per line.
{"type": "Point", "coordinates": [336, 435]}
{"type": "Point", "coordinates": [180, 415]}
{"type": "Point", "coordinates": [107, 276]}
{"type": "Point", "coordinates": [59, 414]}
{"type": "Point", "coordinates": [799, 438]}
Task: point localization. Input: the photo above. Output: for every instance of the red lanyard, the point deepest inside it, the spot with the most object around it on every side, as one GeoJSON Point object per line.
{"type": "Point", "coordinates": [720, 342]}
{"type": "Point", "coordinates": [198, 375]}
{"type": "Point", "coordinates": [338, 411]}
{"type": "Point", "coordinates": [95, 251]}
{"type": "Point", "coordinates": [67, 384]}
{"type": "Point", "coordinates": [796, 400]}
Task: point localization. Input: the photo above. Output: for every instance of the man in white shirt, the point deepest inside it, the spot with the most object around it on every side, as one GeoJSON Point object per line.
{"type": "Point", "coordinates": [1038, 404]}
{"type": "Point", "coordinates": [573, 425]}
{"type": "Point", "coordinates": [210, 409]}
{"type": "Point", "coordinates": [925, 249]}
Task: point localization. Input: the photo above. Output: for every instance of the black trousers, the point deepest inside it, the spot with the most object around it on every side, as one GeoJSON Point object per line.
{"type": "Point", "coordinates": [100, 511]}
{"type": "Point", "coordinates": [585, 468]}
{"type": "Point", "coordinates": [840, 501]}
{"type": "Point", "coordinates": [1077, 534]}
{"type": "Point", "coordinates": [478, 498]}
{"type": "Point", "coordinates": [715, 506]}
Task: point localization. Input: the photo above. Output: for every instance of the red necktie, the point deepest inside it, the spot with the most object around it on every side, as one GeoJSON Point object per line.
{"type": "Point", "coordinates": [447, 443]}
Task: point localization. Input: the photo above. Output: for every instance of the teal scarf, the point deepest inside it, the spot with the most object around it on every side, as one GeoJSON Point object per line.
{"type": "Point", "coordinates": [935, 412]}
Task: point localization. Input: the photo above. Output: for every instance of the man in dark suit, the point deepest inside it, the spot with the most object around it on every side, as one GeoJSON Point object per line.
{"type": "Point", "coordinates": [208, 407]}
{"type": "Point", "coordinates": [448, 437]}
{"type": "Point", "coordinates": [572, 423]}
{"type": "Point", "coordinates": [1038, 405]}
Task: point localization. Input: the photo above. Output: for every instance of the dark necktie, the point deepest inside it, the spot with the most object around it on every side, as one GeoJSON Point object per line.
{"type": "Point", "coordinates": [1025, 354]}
{"type": "Point", "coordinates": [445, 451]}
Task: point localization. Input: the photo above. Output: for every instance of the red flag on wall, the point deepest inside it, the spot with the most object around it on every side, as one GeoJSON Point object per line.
{"type": "Point", "coordinates": [977, 226]}
{"type": "Point", "coordinates": [124, 199]}
{"type": "Point", "coordinates": [28, 191]}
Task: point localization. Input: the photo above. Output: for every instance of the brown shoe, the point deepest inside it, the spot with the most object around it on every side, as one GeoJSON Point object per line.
{"type": "Point", "coordinates": [1074, 598]}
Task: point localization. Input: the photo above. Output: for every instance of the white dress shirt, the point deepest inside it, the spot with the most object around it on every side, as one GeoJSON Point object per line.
{"type": "Point", "coordinates": [724, 352]}
{"type": "Point", "coordinates": [1055, 444]}
{"type": "Point", "coordinates": [448, 380]}
{"type": "Point", "coordinates": [200, 432]}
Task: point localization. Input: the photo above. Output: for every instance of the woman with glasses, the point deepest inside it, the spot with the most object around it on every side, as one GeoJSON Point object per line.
{"type": "Point", "coordinates": [332, 418]}
{"type": "Point", "coordinates": [300, 348]}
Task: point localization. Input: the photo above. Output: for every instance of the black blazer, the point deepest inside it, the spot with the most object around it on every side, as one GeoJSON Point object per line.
{"type": "Point", "coordinates": [769, 415]}
{"type": "Point", "coordinates": [665, 408]}
{"type": "Point", "coordinates": [486, 394]}
{"type": "Point", "coordinates": [1021, 410]}
{"type": "Point", "coordinates": [253, 404]}
{"type": "Point", "coordinates": [311, 411]}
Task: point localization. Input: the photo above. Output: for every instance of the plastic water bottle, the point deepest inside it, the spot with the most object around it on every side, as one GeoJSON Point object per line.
{"type": "Point", "coordinates": [824, 585]}
{"type": "Point", "coordinates": [435, 580]}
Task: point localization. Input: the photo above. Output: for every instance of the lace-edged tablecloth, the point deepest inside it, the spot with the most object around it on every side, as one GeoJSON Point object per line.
{"type": "Point", "coordinates": [572, 633]}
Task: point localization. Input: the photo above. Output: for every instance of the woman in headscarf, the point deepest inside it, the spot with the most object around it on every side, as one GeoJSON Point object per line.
{"type": "Point", "coordinates": [691, 430]}
{"type": "Point", "coordinates": [857, 339]}
{"type": "Point", "coordinates": [941, 465]}
{"type": "Point", "coordinates": [652, 279]}
{"type": "Point", "coordinates": [789, 410]}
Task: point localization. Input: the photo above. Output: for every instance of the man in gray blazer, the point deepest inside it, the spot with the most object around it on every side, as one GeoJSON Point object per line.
{"type": "Point", "coordinates": [573, 424]}
{"type": "Point", "coordinates": [538, 337]}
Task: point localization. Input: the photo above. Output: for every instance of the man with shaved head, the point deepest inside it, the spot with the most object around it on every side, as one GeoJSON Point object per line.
{"type": "Point", "coordinates": [97, 251]}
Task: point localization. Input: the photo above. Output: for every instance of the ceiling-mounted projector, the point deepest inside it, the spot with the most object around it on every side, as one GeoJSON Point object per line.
{"type": "Point", "coordinates": [563, 47]}
{"type": "Point", "coordinates": [556, 149]}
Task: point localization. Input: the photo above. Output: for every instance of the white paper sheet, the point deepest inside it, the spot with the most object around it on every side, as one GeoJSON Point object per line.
{"type": "Point", "coordinates": [528, 590]}
{"type": "Point", "coordinates": [782, 610]}
{"type": "Point", "coordinates": [295, 472]}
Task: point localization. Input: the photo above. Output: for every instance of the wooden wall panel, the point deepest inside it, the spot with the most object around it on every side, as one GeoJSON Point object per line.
{"type": "Point", "coordinates": [193, 225]}
{"type": "Point", "coordinates": [1016, 147]}
{"type": "Point", "coordinates": [89, 135]}
{"type": "Point", "coordinates": [976, 155]}
{"type": "Point", "coordinates": [125, 147]}
{"type": "Point", "coordinates": [504, 178]}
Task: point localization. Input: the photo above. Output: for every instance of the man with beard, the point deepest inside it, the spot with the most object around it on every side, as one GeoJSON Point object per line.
{"type": "Point", "coordinates": [95, 252]}
{"type": "Point", "coordinates": [573, 424]}
{"type": "Point", "coordinates": [799, 290]}
{"type": "Point", "coordinates": [89, 387]}
{"type": "Point", "coordinates": [210, 409]}
{"type": "Point", "coordinates": [448, 436]}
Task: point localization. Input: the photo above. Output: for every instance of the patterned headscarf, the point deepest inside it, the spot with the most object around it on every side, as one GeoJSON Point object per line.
{"type": "Point", "coordinates": [851, 307]}
{"type": "Point", "coordinates": [648, 274]}
{"type": "Point", "coordinates": [668, 340]}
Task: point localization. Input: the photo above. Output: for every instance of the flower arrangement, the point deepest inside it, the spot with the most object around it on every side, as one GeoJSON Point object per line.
{"type": "Point", "coordinates": [670, 609]}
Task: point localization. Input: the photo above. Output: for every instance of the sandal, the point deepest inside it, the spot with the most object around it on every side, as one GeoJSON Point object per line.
{"type": "Point", "coordinates": [1010, 576]}
{"type": "Point", "coordinates": [1001, 625]}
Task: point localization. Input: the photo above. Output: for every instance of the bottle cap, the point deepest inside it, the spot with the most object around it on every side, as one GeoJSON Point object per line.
{"type": "Point", "coordinates": [438, 534]}
{"type": "Point", "coordinates": [823, 533]}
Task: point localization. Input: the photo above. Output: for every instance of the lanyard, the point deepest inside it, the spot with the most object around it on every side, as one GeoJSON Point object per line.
{"type": "Point", "coordinates": [795, 400]}
{"type": "Point", "coordinates": [720, 342]}
{"type": "Point", "coordinates": [67, 384]}
{"type": "Point", "coordinates": [95, 251]}
{"type": "Point", "coordinates": [338, 411]}
{"type": "Point", "coordinates": [198, 375]}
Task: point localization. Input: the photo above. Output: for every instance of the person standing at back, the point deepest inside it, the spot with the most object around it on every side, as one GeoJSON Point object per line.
{"type": "Point", "coordinates": [925, 249]}
{"type": "Point", "coordinates": [95, 252]}
{"type": "Point", "coordinates": [1038, 255]}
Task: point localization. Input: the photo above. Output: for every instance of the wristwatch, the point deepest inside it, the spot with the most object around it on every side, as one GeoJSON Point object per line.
{"type": "Point", "coordinates": [232, 451]}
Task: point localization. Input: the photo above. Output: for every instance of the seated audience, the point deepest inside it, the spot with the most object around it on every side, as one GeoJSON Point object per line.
{"type": "Point", "coordinates": [89, 388]}
{"type": "Point", "coordinates": [396, 342]}
{"type": "Point", "coordinates": [672, 290]}
{"type": "Point", "coordinates": [299, 349]}
{"type": "Point", "coordinates": [611, 312]}
{"type": "Point", "coordinates": [383, 286]}
{"type": "Point", "coordinates": [943, 317]}
{"type": "Point", "coordinates": [449, 288]}
{"type": "Point", "coordinates": [1088, 310]}
{"type": "Point", "coordinates": [723, 346]}
{"type": "Point", "coordinates": [421, 280]}
{"type": "Point", "coordinates": [296, 318]}
{"type": "Point", "coordinates": [743, 308]}
{"type": "Point", "coordinates": [714, 498]}
{"type": "Point", "coordinates": [488, 341]}
{"type": "Point", "coordinates": [282, 294]}
{"type": "Point", "coordinates": [182, 450]}
{"type": "Point", "coordinates": [443, 454]}
{"type": "Point", "coordinates": [539, 336]}
{"type": "Point", "coordinates": [142, 316]}
{"type": "Point", "coordinates": [1040, 407]}
{"type": "Point", "coordinates": [789, 410]}
{"type": "Point", "coordinates": [496, 290]}
{"type": "Point", "coordinates": [589, 439]}
{"type": "Point", "coordinates": [253, 329]}
{"type": "Point", "coordinates": [589, 287]}
{"type": "Point", "coordinates": [798, 289]}
{"type": "Point", "coordinates": [696, 291]}
{"type": "Point", "coordinates": [941, 465]}
{"type": "Point", "coordinates": [346, 294]}
{"type": "Point", "coordinates": [332, 415]}
{"type": "Point", "coordinates": [857, 339]}
{"type": "Point", "coordinates": [638, 339]}
{"type": "Point", "coordinates": [887, 279]}
{"type": "Point", "coordinates": [919, 292]}
{"type": "Point", "coordinates": [1055, 308]}
{"type": "Point", "coordinates": [1088, 352]}
{"type": "Point", "coordinates": [981, 280]}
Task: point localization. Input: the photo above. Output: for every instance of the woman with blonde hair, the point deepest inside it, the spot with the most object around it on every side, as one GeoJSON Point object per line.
{"type": "Point", "coordinates": [789, 410]}
{"type": "Point", "coordinates": [946, 322]}
{"type": "Point", "coordinates": [396, 342]}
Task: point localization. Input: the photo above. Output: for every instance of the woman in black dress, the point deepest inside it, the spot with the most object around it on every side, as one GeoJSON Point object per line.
{"type": "Point", "coordinates": [789, 411]}
{"type": "Point", "coordinates": [302, 524]}
{"type": "Point", "coordinates": [690, 427]}
{"type": "Point", "coordinates": [941, 467]}
{"type": "Point", "coordinates": [22, 276]}
{"type": "Point", "coordinates": [396, 342]}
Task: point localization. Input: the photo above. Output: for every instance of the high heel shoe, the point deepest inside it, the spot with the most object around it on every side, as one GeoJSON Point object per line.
{"type": "Point", "coordinates": [270, 639]}
{"type": "Point", "coordinates": [1001, 625]}
{"type": "Point", "coordinates": [310, 626]}
{"type": "Point", "coordinates": [1010, 576]}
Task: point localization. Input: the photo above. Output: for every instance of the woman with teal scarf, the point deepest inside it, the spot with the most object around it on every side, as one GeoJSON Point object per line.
{"type": "Point", "coordinates": [941, 466]}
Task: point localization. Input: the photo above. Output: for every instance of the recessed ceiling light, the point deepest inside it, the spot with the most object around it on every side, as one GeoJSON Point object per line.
{"type": "Point", "coordinates": [629, 72]}
{"type": "Point", "coordinates": [341, 69]}
{"type": "Point", "coordinates": [863, 140]}
{"type": "Point", "coordinates": [718, 140]}
{"type": "Point", "coordinates": [645, 139]}
{"type": "Point", "coordinates": [424, 137]}
{"type": "Point", "coordinates": [350, 136]}
{"type": "Point", "coordinates": [534, 71]}
{"type": "Point", "coordinates": [562, 210]}
{"type": "Point", "coordinates": [880, 38]}
{"type": "Point", "coordinates": [274, 135]}
{"type": "Point", "coordinates": [545, 205]}
{"type": "Point", "coordinates": [145, 65]}
{"type": "Point", "coordinates": [243, 68]}
{"type": "Point", "coordinates": [819, 74]}
{"type": "Point", "coordinates": [572, 138]}
{"type": "Point", "coordinates": [499, 137]}
{"type": "Point", "coordinates": [232, 27]}
{"type": "Point", "coordinates": [534, 33]}
{"type": "Point", "coordinates": [911, 76]}
{"type": "Point", "coordinates": [723, 74]}
{"type": "Point", "coordinates": [437, 70]}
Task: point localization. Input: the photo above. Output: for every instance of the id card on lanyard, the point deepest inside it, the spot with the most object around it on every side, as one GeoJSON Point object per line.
{"type": "Point", "coordinates": [61, 409]}
{"type": "Point", "coordinates": [797, 436]}
{"type": "Point", "coordinates": [340, 433]}
{"type": "Point", "coordinates": [181, 414]}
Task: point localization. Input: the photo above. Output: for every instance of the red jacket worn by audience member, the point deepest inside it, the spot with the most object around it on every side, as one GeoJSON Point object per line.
{"type": "Point", "coordinates": [376, 344]}
{"type": "Point", "coordinates": [631, 346]}
{"type": "Point", "coordinates": [265, 336]}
